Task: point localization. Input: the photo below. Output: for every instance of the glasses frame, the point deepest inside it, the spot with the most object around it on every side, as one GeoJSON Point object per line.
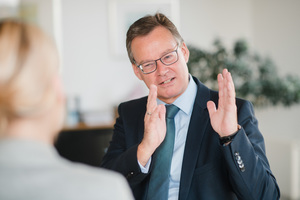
{"type": "Point", "coordinates": [141, 67]}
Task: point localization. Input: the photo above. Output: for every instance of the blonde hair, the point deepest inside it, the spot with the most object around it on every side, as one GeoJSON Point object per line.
{"type": "Point", "coordinates": [28, 63]}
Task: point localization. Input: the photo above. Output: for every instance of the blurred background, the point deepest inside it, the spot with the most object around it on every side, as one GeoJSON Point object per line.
{"type": "Point", "coordinates": [90, 36]}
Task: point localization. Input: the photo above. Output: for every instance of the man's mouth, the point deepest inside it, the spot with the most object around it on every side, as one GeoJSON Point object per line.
{"type": "Point", "coordinates": [167, 81]}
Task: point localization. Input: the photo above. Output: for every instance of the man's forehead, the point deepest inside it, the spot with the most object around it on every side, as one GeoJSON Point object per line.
{"type": "Point", "coordinates": [144, 47]}
{"type": "Point", "coordinates": [145, 53]}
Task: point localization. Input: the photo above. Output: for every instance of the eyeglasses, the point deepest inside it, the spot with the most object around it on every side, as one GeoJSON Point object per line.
{"type": "Point", "coordinates": [151, 66]}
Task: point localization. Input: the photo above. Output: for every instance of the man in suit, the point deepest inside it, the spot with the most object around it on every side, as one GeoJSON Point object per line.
{"type": "Point", "coordinates": [218, 150]}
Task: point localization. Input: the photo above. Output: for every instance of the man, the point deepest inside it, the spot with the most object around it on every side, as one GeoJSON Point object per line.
{"type": "Point", "coordinates": [218, 151]}
{"type": "Point", "coordinates": [31, 115]}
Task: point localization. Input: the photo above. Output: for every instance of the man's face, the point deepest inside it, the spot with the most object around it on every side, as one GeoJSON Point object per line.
{"type": "Point", "coordinates": [172, 80]}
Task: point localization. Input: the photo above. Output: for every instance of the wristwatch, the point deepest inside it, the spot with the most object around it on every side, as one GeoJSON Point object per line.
{"type": "Point", "coordinates": [229, 138]}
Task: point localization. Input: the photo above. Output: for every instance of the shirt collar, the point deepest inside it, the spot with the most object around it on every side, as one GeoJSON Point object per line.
{"type": "Point", "coordinates": [186, 101]}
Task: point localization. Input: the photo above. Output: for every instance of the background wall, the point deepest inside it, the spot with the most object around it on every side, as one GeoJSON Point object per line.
{"type": "Point", "coordinates": [276, 34]}
{"type": "Point", "coordinates": [90, 70]}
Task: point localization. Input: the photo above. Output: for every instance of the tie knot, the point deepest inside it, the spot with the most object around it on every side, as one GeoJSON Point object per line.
{"type": "Point", "coordinates": [172, 110]}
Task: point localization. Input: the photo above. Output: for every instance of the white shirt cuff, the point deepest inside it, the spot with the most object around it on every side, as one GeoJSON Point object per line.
{"type": "Point", "coordinates": [145, 169]}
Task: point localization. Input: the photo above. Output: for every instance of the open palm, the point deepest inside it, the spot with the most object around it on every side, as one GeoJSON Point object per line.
{"type": "Point", "coordinates": [224, 118]}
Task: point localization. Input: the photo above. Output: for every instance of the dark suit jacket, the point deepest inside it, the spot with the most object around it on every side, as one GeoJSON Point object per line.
{"type": "Point", "coordinates": [209, 170]}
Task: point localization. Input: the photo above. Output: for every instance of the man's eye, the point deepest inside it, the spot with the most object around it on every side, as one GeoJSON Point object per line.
{"type": "Point", "coordinates": [148, 65]}
{"type": "Point", "coordinates": [168, 57]}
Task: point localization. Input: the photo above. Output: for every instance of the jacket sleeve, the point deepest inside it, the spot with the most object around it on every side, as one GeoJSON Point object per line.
{"type": "Point", "coordinates": [249, 171]}
{"type": "Point", "coordinates": [121, 155]}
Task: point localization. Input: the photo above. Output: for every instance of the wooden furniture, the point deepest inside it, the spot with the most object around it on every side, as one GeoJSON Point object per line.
{"type": "Point", "coordinates": [84, 144]}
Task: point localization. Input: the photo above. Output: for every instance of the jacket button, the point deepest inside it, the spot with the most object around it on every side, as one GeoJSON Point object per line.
{"type": "Point", "coordinates": [239, 161]}
{"type": "Point", "coordinates": [129, 175]}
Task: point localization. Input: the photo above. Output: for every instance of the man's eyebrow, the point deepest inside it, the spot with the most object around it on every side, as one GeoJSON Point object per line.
{"type": "Point", "coordinates": [167, 51]}
{"type": "Point", "coordinates": [162, 54]}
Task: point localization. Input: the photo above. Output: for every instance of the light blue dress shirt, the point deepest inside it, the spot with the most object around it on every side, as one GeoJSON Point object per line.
{"type": "Point", "coordinates": [185, 102]}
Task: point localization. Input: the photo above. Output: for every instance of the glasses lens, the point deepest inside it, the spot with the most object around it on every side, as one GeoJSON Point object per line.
{"type": "Point", "coordinates": [170, 58]}
{"type": "Point", "coordinates": [149, 67]}
{"type": "Point", "coordinates": [167, 59]}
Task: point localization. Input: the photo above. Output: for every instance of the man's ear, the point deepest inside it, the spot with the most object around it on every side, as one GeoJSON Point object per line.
{"type": "Point", "coordinates": [185, 51]}
{"type": "Point", "coordinates": [137, 71]}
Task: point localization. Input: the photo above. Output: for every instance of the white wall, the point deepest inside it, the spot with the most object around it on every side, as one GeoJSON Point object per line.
{"type": "Point", "coordinates": [202, 21]}
{"type": "Point", "coordinates": [90, 70]}
{"type": "Point", "coordinates": [276, 33]}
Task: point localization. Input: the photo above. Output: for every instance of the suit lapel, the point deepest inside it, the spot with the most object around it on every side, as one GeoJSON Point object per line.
{"type": "Point", "coordinates": [197, 128]}
{"type": "Point", "coordinates": [140, 132]}
{"type": "Point", "coordinates": [141, 125]}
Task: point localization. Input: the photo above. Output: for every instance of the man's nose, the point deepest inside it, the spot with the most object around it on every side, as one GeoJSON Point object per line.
{"type": "Point", "coordinates": [162, 69]}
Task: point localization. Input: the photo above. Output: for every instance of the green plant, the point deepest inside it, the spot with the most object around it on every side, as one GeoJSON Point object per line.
{"type": "Point", "coordinates": [255, 78]}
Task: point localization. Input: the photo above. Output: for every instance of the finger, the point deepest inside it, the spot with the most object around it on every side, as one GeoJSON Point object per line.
{"type": "Point", "coordinates": [161, 111]}
{"type": "Point", "coordinates": [158, 115]}
{"type": "Point", "coordinates": [221, 90]}
{"type": "Point", "coordinates": [225, 82]}
{"type": "Point", "coordinates": [211, 106]}
{"type": "Point", "coordinates": [230, 83]}
{"type": "Point", "coordinates": [152, 104]}
{"type": "Point", "coordinates": [230, 89]}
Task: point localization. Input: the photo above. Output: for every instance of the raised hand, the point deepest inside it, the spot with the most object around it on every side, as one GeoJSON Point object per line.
{"type": "Point", "coordinates": [155, 127]}
{"type": "Point", "coordinates": [224, 118]}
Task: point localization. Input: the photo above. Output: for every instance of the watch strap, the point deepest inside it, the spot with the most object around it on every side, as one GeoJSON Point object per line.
{"type": "Point", "coordinates": [229, 138]}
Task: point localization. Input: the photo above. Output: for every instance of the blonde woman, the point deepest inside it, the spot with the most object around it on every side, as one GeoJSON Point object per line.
{"type": "Point", "coordinates": [31, 115]}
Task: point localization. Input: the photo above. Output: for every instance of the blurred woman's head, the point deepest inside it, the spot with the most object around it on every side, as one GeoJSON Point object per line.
{"type": "Point", "coordinates": [29, 68]}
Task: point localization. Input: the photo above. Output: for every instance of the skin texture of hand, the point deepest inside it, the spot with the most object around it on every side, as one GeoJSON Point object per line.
{"type": "Point", "coordinates": [224, 119]}
{"type": "Point", "coordinates": [155, 127]}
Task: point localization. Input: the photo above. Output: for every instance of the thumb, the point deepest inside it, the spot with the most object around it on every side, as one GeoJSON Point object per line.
{"type": "Point", "coordinates": [211, 106]}
{"type": "Point", "coordinates": [161, 111]}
